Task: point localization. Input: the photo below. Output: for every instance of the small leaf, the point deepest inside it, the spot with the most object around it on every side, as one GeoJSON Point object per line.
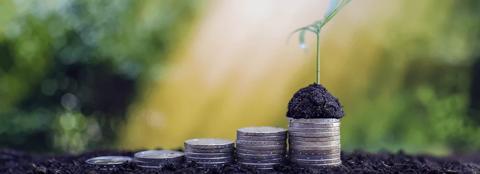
{"type": "Point", "coordinates": [301, 39]}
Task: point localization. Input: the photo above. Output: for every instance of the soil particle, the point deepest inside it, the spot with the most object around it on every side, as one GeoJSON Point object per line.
{"type": "Point", "coordinates": [357, 162]}
{"type": "Point", "coordinates": [314, 101]}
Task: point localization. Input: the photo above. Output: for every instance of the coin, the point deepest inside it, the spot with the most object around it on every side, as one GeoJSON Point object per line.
{"type": "Point", "coordinates": [261, 137]}
{"type": "Point", "coordinates": [326, 161]}
{"type": "Point", "coordinates": [274, 151]}
{"type": "Point", "coordinates": [259, 143]}
{"type": "Point", "coordinates": [159, 155]}
{"type": "Point", "coordinates": [211, 163]}
{"type": "Point", "coordinates": [261, 131]}
{"type": "Point", "coordinates": [312, 125]}
{"type": "Point", "coordinates": [207, 155]}
{"type": "Point", "coordinates": [208, 143]}
{"type": "Point", "coordinates": [314, 130]}
{"type": "Point", "coordinates": [314, 120]}
{"type": "Point", "coordinates": [265, 147]}
{"type": "Point", "coordinates": [273, 160]}
{"type": "Point", "coordinates": [315, 152]}
{"type": "Point", "coordinates": [263, 165]}
{"type": "Point", "coordinates": [316, 157]}
{"type": "Point", "coordinates": [313, 139]}
{"type": "Point", "coordinates": [316, 148]}
{"type": "Point", "coordinates": [319, 165]}
{"type": "Point", "coordinates": [252, 156]}
{"type": "Point", "coordinates": [149, 166]}
{"type": "Point", "coordinates": [211, 160]}
{"type": "Point", "coordinates": [306, 143]}
{"type": "Point", "coordinates": [194, 150]}
{"type": "Point", "coordinates": [108, 160]}
{"type": "Point", "coordinates": [314, 135]}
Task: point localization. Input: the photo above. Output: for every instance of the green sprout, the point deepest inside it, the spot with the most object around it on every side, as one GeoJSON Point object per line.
{"type": "Point", "coordinates": [316, 27]}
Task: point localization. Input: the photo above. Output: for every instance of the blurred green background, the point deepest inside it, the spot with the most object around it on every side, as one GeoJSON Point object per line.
{"type": "Point", "coordinates": [82, 75]}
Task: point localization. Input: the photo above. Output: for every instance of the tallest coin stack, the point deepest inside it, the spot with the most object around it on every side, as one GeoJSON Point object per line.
{"type": "Point", "coordinates": [314, 142]}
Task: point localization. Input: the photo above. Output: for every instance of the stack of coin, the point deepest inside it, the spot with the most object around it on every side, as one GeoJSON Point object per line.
{"type": "Point", "coordinates": [157, 158]}
{"type": "Point", "coordinates": [209, 152]}
{"type": "Point", "coordinates": [261, 147]}
{"type": "Point", "coordinates": [314, 142]}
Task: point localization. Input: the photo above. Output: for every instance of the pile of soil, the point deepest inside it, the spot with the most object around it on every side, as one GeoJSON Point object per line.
{"type": "Point", "coordinates": [357, 162]}
{"type": "Point", "coordinates": [314, 101]}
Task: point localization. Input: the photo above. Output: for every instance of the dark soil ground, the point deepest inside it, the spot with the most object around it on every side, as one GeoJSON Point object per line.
{"type": "Point", "coordinates": [357, 162]}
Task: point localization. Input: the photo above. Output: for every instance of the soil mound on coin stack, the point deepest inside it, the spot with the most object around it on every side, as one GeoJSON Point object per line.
{"type": "Point", "coordinates": [314, 101]}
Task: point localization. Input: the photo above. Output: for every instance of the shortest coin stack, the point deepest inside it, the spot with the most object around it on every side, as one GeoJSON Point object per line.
{"type": "Point", "coordinates": [314, 142]}
{"type": "Point", "coordinates": [261, 147]}
{"type": "Point", "coordinates": [209, 152]}
{"type": "Point", "coordinates": [157, 158]}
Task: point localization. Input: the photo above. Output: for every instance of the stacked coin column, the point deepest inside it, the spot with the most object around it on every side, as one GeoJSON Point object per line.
{"type": "Point", "coordinates": [209, 153]}
{"type": "Point", "coordinates": [261, 147]}
{"type": "Point", "coordinates": [314, 142]}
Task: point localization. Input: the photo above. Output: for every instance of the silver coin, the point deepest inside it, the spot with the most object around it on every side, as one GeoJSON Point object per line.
{"type": "Point", "coordinates": [312, 125]}
{"type": "Point", "coordinates": [314, 120]}
{"type": "Point", "coordinates": [321, 143]}
{"type": "Point", "coordinates": [260, 143]}
{"type": "Point", "coordinates": [274, 160]}
{"type": "Point", "coordinates": [158, 155]}
{"type": "Point", "coordinates": [314, 130]}
{"type": "Point", "coordinates": [157, 162]}
{"type": "Point", "coordinates": [314, 135]}
{"type": "Point", "coordinates": [212, 158]}
{"type": "Point", "coordinates": [313, 139]}
{"type": "Point", "coordinates": [314, 152]}
{"type": "Point", "coordinates": [327, 161]}
{"type": "Point", "coordinates": [261, 131]}
{"type": "Point", "coordinates": [315, 148]}
{"type": "Point", "coordinates": [108, 160]}
{"type": "Point", "coordinates": [260, 158]}
{"type": "Point", "coordinates": [260, 155]}
{"type": "Point", "coordinates": [205, 161]}
{"type": "Point", "coordinates": [202, 163]}
{"type": "Point", "coordinates": [149, 163]}
{"type": "Point", "coordinates": [315, 157]}
{"type": "Point", "coordinates": [208, 155]}
{"type": "Point", "coordinates": [208, 143]}
{"type": "Point", "coordinates": [320, 165]}
{"type": "Point", "coordinates": [249, 151]}
{"type": "Point", "coordinates": [261, 165]}
{"type": "Point", "coordinates": [149, 166]}
{"type": "Point", "coordinates": [193, 150]}
{"type": "Point", "coordinates": [261, 138]}
{"type": "Point", "coordinates": [265, 147]}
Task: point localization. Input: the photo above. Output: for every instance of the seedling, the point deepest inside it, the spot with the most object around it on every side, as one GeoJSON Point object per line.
{"type": "Point", "coordinates": [334, 7]}
{"type": "Point", "coordinates": [314, 114]}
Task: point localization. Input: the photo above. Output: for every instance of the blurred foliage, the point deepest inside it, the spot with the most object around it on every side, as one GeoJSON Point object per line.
{"type": "Point", "coordinates": [69, 69]}
{"type": "Point", "coordinates": [421, 91]}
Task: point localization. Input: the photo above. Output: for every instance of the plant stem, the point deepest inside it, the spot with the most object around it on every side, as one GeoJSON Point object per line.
{"type": "Point", "coordinates": [318, 58]}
